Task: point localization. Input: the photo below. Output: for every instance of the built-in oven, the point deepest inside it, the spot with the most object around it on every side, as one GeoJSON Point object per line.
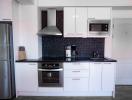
{"type": "Point", "coordinates": [99, 26]}
{"type": "Point", "coordinates": [50, 74]}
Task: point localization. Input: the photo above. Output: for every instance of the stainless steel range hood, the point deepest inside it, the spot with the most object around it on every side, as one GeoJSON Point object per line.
{"type": "Point", "coordinates": [51, 28]}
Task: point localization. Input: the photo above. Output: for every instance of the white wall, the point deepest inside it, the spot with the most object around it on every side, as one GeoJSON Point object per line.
{"type": "Point", "coordinates": [16, 33]}
{"type": "Point", "coordinates": [85, 2]}
{"type": "Point", "coordinates": [25, 30]}
{"type": "Point", "coordinates": [122, 13]}
{"type": "Point", "coordinates": [122, 50]}
{"type": "Point", "coordinates": [28, 30]}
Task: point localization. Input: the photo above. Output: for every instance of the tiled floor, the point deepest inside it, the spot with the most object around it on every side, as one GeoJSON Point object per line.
{"type": "Point", "coordinates": [122, 93]}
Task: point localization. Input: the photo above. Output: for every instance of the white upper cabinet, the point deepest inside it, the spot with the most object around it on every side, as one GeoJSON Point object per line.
{"type": "Point", "coordinates": [5, 10]}
{"type": "Point", "coordinates": [75, 22]}
{"type": "Point", "coordinates": [26, 76]}
{"type": "Point", "coordinates": [99, 13]}
{"type": "Point", "coordinates": [26, 2]}
{"type": "Point", "coordinates": [69, 21]}
{"type": "Point", "coordinates": [108, 76]}
{"type": "Point", "coordinates": [81, 21]}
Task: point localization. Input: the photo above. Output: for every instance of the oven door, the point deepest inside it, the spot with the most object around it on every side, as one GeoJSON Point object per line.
{"type": "Point", "coordinates": [50, 77]}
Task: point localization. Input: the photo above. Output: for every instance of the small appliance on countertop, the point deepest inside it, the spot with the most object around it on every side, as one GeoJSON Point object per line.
{"type": "Point", "coordinates": [71, 51]}
{"type": "Point", "coordinates": [21, 53]}
{"type": "Point", "coordinates": [95, 54]}
{"type": "Point", "coordinates": [68, 51]}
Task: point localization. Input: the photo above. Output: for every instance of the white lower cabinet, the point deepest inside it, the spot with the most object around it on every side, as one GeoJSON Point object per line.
{"type": "Point", "coordinates": [76, 84]}
{"type": "Point", "coordinates": [75, 21]}
{"type": "Point", "coordinates": [76, 77]}
{"type": "Point", "coordinates": [26, 77]}
{"type": "Point", "coordinates": [80, 78]}
{"type": "Point", "coordinates": [95, 76]}
{"type": "Point", "coordinates": [102, 76]}
{"type": "Point", "coordinates": [108, 76]}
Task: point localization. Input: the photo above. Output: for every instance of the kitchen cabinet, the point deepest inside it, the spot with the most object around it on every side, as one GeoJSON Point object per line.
{"type": "Point", "coordinates": [104, 13]}
{"type": "Point", "coordinates": [26, 2]}
{"type": "Point", "coordinates": [76, 76]}
{"type": "Point", "coordinates": [5, 10]}
{"type": "Point", "coordinates": [80, 79]}
{"type": "Point", "coordinates": [76, 66]}
{"type": "Point", "coordinates": [26, 76]}
{"type": "Point", "coordinates": [108, 76]}
{"type": "Point", "coordinates": [75, 22]}
{"type": "Point", "coordinates": [95, 76]}
{"type": "Point", "coordinates": [76, 84]}
{"type": "Point", "coordinates": [69, 21]}
{"type": "Point", "coordinates": [102, 76]}
{"type": "Point", "coordinates": [81, 21]}
{"type": "Point", "coordinates": [104, 16]}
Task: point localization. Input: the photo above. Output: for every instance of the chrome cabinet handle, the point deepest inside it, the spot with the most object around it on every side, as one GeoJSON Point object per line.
{"type": "Point", "coordinates": [76, 71]}
{"type": "Point", "coordinates": [97, 63]}
{"type": "Point", "coordinates": [76, 79]}
{"type": "Point", "coordinates": [76, 63]}
{"type": "Point", "coordinates": [50, 69]}
{"type": "Point", "coordinates": [91, 18]}
{"type": "Point", "coordinates": [32, 64]}
{"type": "Point", "coordinates": [6, 19]}
{"type": "Point", "coordinates": [107, 63]}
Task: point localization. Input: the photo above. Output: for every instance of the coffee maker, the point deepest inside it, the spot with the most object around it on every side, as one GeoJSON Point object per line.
{"type": "Point", "coordinates": [71, 51]}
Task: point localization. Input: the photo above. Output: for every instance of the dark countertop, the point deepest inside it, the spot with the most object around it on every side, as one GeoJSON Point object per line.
{"type": "Point", "coordinates": [63, 59]}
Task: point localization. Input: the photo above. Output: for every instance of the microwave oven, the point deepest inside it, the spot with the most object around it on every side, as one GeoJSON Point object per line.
{"type": "Point", "coordinates": [99, 26]}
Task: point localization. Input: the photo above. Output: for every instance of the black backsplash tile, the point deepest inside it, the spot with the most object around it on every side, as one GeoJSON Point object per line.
{"type": "Point", "coordinates": [55, 46]}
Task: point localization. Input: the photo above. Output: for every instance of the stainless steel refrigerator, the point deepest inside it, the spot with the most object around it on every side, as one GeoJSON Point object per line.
{"type": "Point", "coordinates": [7, 83]}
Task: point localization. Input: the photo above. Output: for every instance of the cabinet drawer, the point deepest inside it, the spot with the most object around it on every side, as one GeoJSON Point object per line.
{"type": "Point", "coordinates": [76, 65]}
{"type": "Point", "coordinates": [76, 73]}
{"type": "Point", "coordinates": [76, 84]}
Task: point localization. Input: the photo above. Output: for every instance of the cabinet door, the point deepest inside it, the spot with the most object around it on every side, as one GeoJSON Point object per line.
{"type": "Point", "coordinates": [5, 10]}
{"type": "Point", "coordinates": [81, 22]}
{"type": "Point", "coordinates": [76, 84]}
{"type": "Point", "coordinates": [76, 73]}
{"type": "Point", "coordinates": [76, 65]}
{"type": "Point", "coordinates": [69, 22]}
{"type": "Point", "coordinates": [108, 76]}
{"type": "Point", "coordinates": [95, 76]}
{"type": "Point", "coordinates": [26, 77]}
{"type": "Point", "coordinates": [99, 13]}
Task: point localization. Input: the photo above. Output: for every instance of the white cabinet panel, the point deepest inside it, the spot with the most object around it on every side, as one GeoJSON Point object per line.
{"type": "Point", "coordinates": [99, 13]}
{"type": "Point", "coordinates": [76, 84]}
{"type": "Point", "coordinates": [108, 76]}
{"type": "Point", "coordinates": [5, 10]}
{"type": "Point", "coordinates": [69, 21]}
{"type": "Point", "coordinates": [26, 77]}
{"type": "Point", "coordinates": [81, 21]}
{"type": "Point", "coordinates": [75, 22]}
{"type": "Point", "coordinates": [95, 76]}
{"type": "Point", "coordinates": [102, 76]}
{"type": "Point", "coordinates": [76, 73]}
{"type": "Point", "coordinates": [76, 65]}
{"type": "Point", "coordinates": [76, 76]}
